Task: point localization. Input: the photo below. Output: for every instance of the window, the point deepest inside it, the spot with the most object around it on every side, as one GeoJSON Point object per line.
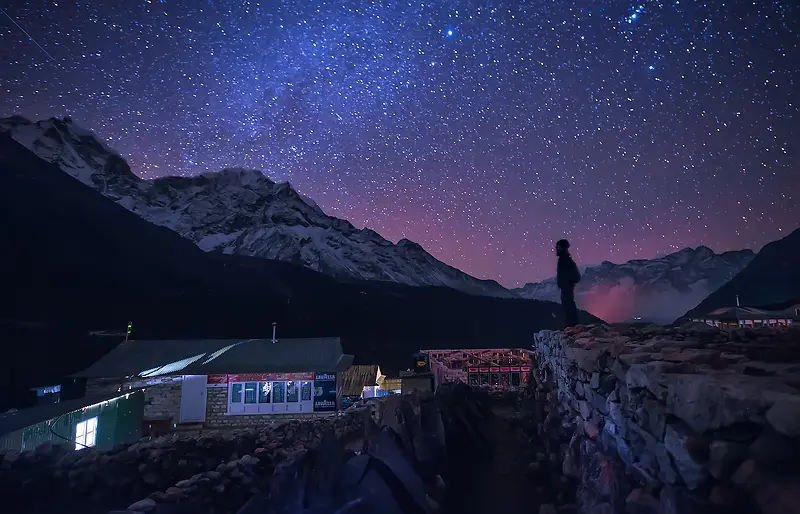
{"type": "Point", "coordinates": [264, 392]}
{"type": "Point", "coordinates": [292, 392]}
{"type": "Point", "coordinates": [86, 433]}
{"type": "Point", "coordinates": [305, 392]}
{"type": "Point", "coordinates": [250, 392]}
{"type": "Point", "coordinates": [236, 393]}
{"type": "Point", "coordinates": [278, 392]}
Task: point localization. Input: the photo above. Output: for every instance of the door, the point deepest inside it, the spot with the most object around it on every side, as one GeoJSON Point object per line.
{"type": "Point", "coordinates": [193, 399]}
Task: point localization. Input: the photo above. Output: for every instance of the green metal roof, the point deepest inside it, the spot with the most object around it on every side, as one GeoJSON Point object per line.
{"type": "Point", "coordinates": [218, 356]}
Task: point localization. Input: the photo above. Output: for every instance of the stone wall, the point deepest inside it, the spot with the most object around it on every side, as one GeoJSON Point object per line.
{"type": "Point", "coordinates": [163, 401]}
{"type": "Point", "coordinates": [663, 420]}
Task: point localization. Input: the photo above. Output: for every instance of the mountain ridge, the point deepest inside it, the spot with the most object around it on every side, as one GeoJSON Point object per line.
{"type": "Point", "coordinates": [241, 211]}
{"type": "Point", "coordinates": [770, 280]}
{"type": "Point", "coordinates": [657, 290]}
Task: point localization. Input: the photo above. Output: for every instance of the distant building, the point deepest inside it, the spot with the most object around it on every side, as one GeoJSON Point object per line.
{"type": "Point", "coordinates": [153, 387]}
{"type": "Point", "coordinates": [493, 367]}
{"type": "Point", "coordinates": [216, 383]}
{"type": "Point", "coordinates": [361, 381]}
{"type": "Point", "coordinates": [99, 420]}
{"type": "Point", "coordinates": [729, 317]}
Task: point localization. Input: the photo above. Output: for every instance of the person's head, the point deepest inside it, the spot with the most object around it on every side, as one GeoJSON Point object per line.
{"type": "Point", "coordinates": [562, 247]}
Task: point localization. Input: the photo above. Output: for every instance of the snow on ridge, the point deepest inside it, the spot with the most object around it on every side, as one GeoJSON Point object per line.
{"type": "Point", "coordinates": [228, 212]}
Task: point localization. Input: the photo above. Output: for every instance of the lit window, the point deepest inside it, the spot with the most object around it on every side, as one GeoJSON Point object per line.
{"type": "Point", "coordinates": [236, 393]}
{"type": "Point", "coordinates": [250, 392]}
{"type": "Point", "coordinates": [86, 433]}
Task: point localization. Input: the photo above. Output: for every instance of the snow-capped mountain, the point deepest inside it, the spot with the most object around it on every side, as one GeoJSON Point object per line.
{"type": "Point", "coordinates": [657, 290]}
{"type": "Point", "coordinates": [239, 211]}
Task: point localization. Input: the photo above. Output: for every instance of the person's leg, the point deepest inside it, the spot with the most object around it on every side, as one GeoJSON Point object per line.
{"type": "Point", "coordinates": [570, 309]}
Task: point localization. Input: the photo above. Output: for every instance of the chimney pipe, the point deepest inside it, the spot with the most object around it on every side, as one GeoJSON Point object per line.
{"type": "Point", "coordinates": [274, 328]}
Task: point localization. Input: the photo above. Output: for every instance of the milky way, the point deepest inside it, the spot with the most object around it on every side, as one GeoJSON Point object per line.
{"type": "Point", "coordinates": [482, 130]}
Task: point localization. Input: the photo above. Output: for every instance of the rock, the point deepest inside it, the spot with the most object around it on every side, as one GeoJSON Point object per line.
{"type": "Point", "coordinates": [585, 409]}
{"type": "Point", "coordinates": [591, 430]}
{"type": "Point", "coordinates": [775, 450]}
{"type": "Point", "coordinates": [145, 505]}
{"type": "Point", "coordinates": [779, 495]}
{"type": "Point", "coordinates": [705, 402]}
{"type": "Point", "coordinates": [547, 508]}
{"type": "Point", "coordinates": [678, 500]}
{"type": "Point", "coordinates": [594, 382]}
{"type": "Point", "coordinates": [749, 475]}
{"type": "Point", "coordinates": [569, 467]}
{"type": "Point", "coordinates": [679, 443]}
{"type": "Point", "coordinates": [727, 496]}
{"type": "Point", "coordinates": [602, 508]}
{"type": "Point", "coordinates": [640, 501]}
{"type": "Point", "coordinates": [725, 457]}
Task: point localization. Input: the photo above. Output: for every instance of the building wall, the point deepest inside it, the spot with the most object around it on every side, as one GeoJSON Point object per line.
{"type": "Point", "coordinates": [217, 406]}
{"type": "Point", "coordinates": [163, 401]}
{"type": "Point", "coordinates": [118, 421]}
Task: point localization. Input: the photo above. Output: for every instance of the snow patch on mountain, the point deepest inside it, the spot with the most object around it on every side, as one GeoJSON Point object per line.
{"type": "Point", "coordinates": [657, 290]}
{"type": "Point", "coordinates": [240, 211]}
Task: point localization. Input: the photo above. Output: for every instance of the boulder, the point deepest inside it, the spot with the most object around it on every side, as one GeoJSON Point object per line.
{"type": "Point", "coordinates": [680, 444]}
{"type": "Point", "coordinates": [725, 457]}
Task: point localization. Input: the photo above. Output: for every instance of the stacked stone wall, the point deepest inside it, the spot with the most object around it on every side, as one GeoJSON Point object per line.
{"type": "Point", "coordinates": [663, 420]}
{"type": "Point", "coordinates": [163, 401]}
{"type": "Point", "coordinates": [214, 472]}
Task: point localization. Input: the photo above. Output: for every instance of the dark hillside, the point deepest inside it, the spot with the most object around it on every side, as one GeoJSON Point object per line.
{"type": "Point", "coordinates": [74, 261]}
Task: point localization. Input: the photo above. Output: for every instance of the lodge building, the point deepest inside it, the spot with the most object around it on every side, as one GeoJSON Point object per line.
{"type": "Point", "coordinates": [154, 387]}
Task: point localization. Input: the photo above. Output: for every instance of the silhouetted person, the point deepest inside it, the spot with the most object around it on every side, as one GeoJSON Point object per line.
{"type": "Point", "coordinates": [567, 275]}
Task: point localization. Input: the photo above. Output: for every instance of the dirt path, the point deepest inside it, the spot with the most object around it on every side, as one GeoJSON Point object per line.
{"type": "Point", "coordinates": [500, 486]}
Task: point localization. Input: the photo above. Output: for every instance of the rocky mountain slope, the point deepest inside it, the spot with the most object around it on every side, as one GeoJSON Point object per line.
{"type": "Point", "coordinates": [238, 211]}
{"type": "Point", "coordinates": [771, 280]}
{"type": "Point", "coordinates": [657, 290]}
{"type": "Point", "coordinates": [73, 261]}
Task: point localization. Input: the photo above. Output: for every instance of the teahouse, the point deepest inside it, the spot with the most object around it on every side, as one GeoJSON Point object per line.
{"type": "Point", "coordinates": [223, 383]}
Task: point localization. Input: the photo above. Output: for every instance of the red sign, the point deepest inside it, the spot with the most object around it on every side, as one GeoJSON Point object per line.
{"type": "Point", "coordinates": [526, 368]}
{"type": "Point", "coordinates": [514, 368]}
{"type": "Point", "coordinates": [266, 377]}
{"type": "Point", "coordinates": [473, 370]}
{"type": "Point", "coordinates": [495, 369]}
{"type": "Point", "coordinates": [216, 379]}
{"type": "Point", "coordinates": [484, 370]}
{"type": "Point", "coordinates": [504, 370]}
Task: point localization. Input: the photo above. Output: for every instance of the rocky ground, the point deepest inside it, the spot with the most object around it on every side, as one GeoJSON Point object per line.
{"type": "Point", "coordinates": [214, 473]}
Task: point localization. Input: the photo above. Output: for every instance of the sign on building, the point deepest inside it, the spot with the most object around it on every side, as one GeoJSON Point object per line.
{"type": "Point", "coordinates": [324, 392]}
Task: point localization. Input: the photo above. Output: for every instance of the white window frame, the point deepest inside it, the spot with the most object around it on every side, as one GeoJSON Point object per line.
{"type": "Point", "coordinates": [236, 408]}
{"type": "Point", "coordinates": [86, 433]}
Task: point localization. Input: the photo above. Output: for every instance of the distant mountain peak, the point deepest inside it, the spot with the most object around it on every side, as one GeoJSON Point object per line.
{"type": "Point", "coordinates": [658, 289]}
{"type": "Point", "coordinates": [240, 211]}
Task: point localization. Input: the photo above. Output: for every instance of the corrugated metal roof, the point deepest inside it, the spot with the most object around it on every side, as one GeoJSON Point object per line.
{"type": "Point", "coordinates": [747, 313]}
{"type": "Point", "coordinates": [212, 356]}
{"type": "Point", "coordinates": [357, 377]}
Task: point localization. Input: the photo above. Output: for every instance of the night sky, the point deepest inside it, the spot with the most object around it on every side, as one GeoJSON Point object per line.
{"type": "Point", "coordinates": [482, 130]}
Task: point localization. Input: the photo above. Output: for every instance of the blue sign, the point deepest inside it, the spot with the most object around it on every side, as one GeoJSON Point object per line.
{"type": "Point", "coordinates": [324, 392]}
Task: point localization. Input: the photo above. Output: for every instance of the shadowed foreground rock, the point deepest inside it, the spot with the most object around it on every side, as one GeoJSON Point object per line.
{"type": "Point", "coordinates": [213, 473]}
{"type": "Point", "coordinates": [663, 420]}
{"type": "Point", "coordinates": [398, 471]}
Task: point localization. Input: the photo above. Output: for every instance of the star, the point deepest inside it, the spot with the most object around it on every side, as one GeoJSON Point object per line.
{"type": "Point", "coordinates": [533, 122]}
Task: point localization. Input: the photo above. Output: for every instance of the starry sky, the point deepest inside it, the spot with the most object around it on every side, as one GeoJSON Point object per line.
{"type": "Point", "coordinates": [483, 130]}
